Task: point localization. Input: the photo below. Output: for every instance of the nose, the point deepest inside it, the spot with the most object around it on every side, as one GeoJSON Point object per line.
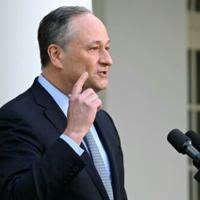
{"type": "Point", "coordinates": [105, 58]}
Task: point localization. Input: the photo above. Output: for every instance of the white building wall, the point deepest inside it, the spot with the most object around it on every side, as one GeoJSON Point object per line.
{"type": "Point", "coordinates": [147, 96]}
{"type": "Point", "coordinates": [19, 52]}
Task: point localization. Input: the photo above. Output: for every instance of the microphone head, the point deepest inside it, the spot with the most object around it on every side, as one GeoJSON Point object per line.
{"type": "Point", "coordinates": [195, 137]}
{"type": "Point", "coordinates": [178, 140]}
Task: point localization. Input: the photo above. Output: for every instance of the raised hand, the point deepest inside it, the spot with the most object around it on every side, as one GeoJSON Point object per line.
{"type": "Point", "coordinates": [83, 106]}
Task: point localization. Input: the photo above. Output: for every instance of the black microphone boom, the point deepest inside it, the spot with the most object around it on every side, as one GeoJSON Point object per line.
{"type": "Point", "coordinates": [195, 138]}
{"type": "Point", "coordinates": [196, 142]}
{"type": "Point", "coordinates": [183, 144]}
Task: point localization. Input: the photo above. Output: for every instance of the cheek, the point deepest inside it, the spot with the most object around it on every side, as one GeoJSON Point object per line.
{"type": "Point", "coordinates": [82, 62]}
{"type": "Point", "coordinates": [77, 66]}
{"type": "Point", "coordinates": [91, 66]}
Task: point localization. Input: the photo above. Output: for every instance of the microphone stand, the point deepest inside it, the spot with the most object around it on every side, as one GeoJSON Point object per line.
{"type": "Point", "coordinates": [197, 176]}
{"type": "Point", "coordinates": [196, 163]}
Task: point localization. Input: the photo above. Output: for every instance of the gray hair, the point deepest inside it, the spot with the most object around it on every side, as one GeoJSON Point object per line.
{"type": "Point", "coordinates": [55, 28]}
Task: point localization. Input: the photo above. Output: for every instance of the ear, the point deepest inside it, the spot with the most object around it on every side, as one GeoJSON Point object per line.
{"type": "Point", "coordinates": [55, 53]}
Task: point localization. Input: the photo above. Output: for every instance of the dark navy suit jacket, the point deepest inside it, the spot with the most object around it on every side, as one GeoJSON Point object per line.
{"type": "Point", "coordinates": [35, 164]}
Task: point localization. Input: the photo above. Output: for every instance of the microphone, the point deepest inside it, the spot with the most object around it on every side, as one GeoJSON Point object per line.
{"type": "Point", "coordinates": [182, 143]}
{"type": "Point", "coordinates": [195, 138]}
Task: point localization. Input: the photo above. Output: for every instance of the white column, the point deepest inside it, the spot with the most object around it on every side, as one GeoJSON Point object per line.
{"type": "Point", "coordinates": [19, 52]}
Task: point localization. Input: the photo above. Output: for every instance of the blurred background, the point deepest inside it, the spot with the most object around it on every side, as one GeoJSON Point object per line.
{"type": "Point", "coordinates": [154, 81]}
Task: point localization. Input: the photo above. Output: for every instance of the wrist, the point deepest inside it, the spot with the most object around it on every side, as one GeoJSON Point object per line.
{"type": "Point", "coordinates": [77, 137]}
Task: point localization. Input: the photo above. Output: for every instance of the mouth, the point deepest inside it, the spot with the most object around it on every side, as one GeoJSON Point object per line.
{"type": "Point", "coordinates": [103, 74]}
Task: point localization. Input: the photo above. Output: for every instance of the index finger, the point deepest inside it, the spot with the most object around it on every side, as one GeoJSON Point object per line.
{"type": "Point", "coordinates": [78, 86]}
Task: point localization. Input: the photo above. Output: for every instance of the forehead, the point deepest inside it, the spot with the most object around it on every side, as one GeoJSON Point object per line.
{"type": "Point", "coordinates": [88, 27]}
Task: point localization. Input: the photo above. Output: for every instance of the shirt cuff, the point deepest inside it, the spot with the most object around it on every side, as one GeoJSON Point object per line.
{"type": "Point", "coordinates": [72, 144]}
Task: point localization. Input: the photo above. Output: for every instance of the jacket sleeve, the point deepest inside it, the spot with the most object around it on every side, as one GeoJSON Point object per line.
{"type": "Point", "coordinates": [27, 171]}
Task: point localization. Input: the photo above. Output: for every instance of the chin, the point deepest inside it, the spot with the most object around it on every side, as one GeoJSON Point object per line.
{"type": "Point", "coordinates": [100, 87]}
{"type": "Point", "coordinates": [97, 86]}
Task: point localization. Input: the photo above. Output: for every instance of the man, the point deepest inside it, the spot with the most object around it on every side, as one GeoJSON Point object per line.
{"type": "Point", "coordinates": [55, 140]}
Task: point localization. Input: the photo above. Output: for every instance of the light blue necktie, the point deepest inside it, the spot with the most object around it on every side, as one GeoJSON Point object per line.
{"type": "Point", "coordinates": [99, 164]}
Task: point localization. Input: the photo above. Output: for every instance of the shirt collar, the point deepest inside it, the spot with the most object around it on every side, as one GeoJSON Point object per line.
{"type": "Point", "coordinates": [60, 98]}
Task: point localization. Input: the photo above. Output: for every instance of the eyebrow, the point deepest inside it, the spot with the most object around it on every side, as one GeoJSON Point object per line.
{"type": "Point", "coordinates": [99, 42]}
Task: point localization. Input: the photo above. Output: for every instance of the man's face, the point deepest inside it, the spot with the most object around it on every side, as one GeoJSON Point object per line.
{"type": "Point", "coordinates": [87, 51]}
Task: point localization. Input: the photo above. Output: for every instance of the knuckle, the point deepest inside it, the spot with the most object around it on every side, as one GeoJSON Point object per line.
{"type": "Point", "coordinates": [90, 90]}
{"type": "Point", "coordinates": [97, 97]}
{"type": "Point", "coordinates": [98, 103]}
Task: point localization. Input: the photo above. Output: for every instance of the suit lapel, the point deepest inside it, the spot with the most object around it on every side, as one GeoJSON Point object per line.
{"type": "Point", "coordinates": [51, 110]}
{"type": "Point", "coordinates": [91, 170]}
{"type": "Point", "coordinates": [57, 119]}
{"type": "Point", "coordinates": [106, 136]}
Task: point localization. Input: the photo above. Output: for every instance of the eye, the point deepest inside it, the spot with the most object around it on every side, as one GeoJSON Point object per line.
{"type": "Point", "coordinates": [94, 48]}
{"type": "Point", "coordinates": [107, 48]}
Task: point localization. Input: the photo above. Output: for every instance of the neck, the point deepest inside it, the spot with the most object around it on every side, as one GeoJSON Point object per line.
{"type": "Point", "coordinates": [55, 80]}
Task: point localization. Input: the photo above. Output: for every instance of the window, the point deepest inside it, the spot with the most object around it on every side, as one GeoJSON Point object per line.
{"type": "Point", "coordinates": [193, 84]}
